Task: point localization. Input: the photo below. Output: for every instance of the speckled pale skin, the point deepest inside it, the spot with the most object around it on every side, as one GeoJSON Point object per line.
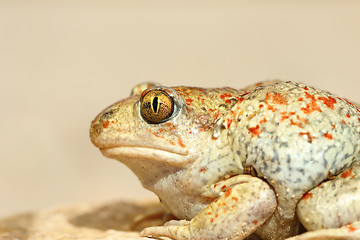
{"type": "Point", "coordinates": [238, 163]}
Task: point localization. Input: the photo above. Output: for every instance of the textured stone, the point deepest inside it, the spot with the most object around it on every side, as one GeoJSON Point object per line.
{"type": "Point", "coordinates": [118, 220]}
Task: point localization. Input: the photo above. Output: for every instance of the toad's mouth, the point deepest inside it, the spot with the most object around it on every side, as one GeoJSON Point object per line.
{"type": "Point", "coordinates": [133, 153]}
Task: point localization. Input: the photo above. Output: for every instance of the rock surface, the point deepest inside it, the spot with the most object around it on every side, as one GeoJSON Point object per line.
{"type": "Point", "coordinates": [115, 221]}
{"type": "Point", "coordinates": [118, 220]}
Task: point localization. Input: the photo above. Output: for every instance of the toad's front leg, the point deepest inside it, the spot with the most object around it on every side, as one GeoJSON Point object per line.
{"type": "Point", "coordinates": [246, 203]}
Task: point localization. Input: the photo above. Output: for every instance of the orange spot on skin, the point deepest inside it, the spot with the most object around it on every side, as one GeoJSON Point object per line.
{"type": "Point", "coordinates": [349, 102]}
{"type": "Point", "coordinates": [310, 138]}
{"type": "Point", "coordinates": [223, 187]}
{"type": "Point", "coordinates": [231, 119]}
{"type": "Point", "coordinates": [279, 99]}
{"type": "Point", "coordinates": [255, 222]}
{"type": "Point", "coordinates": [240, 100]}
{"type": "Point", "coordinates": [284, 115]}
{"type": "Point", "coordinates": [299, 124]}
{"type": "Point", "coordinates": [156, 134]}
{"type": "Point", "coordinates": [106, 124]}
{"type": "Point", "coordinates": [225, 95]}
{"type": "Point", "coordinates": [351, 228]}
{"type": "Point", "coordinates": [344, 122]}
{"type": "Point", "coordinates": [312, 106]}
{"type": "Point", "coordinates": [347, 173]}
{"type": "Point", "coordinates": [246, 93]}
{"type": "Point", "coordinates": [328, 136]}
{"type": "Point", "coordinates": [255, 131]}
{"type": "Point", "coordinates": [272, 108]}
{"type": "Point", "coordinates": [300, 99]}
{"type": "Point", "coordinates": [263, 121]}
{"type": "Point", "coordinates": [333, 126]}
{"type": "Point", "coordinates": [275, 98]}
{"type": "Point", "coordinates": [216, 115]}
{"type": "Point", "coordinates": [162, 129]}
{"type": "Point", "coordinates": [235, 199]}
{"type": "Point", "coordinates": [329, 102]}
{"type": "Point", "coordinates": [212, 220]}
{"type": "Point", "coordinates": [228, 192]}
{"type": "Point", "coordinates": [181, 143]}
{"type": "Point", "coordinates": [307, 196]}
{"type": "Point", "coordinates": [202, 170]}
{"type": "Point", "coordinates": [229, 123]}
{"type": "Point", "coordinates": [220, 204]}
{"type": "Point", "coordinates": [189, 101]}
{"type": "Point", "coordinates": [304, 120]}
{"type": "Point", "coordinates": [348, 115]}
{"type": "Point", "coordinates": [292, 123]}
{"type": "Point", "coordinates": [170, 126]}
{"type": "Point", "coordinates": [261, 106]}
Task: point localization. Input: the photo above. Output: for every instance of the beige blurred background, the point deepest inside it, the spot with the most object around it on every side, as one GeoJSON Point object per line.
{"type": "Point", "coordinates": [61, 62]}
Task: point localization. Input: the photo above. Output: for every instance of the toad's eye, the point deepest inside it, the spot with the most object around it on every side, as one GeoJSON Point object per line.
{"type": "Point", "coordinates": [156, 106]}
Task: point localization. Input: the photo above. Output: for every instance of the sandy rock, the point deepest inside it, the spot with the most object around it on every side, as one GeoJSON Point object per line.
{"type": "Point", "coordinates": [118, 220]}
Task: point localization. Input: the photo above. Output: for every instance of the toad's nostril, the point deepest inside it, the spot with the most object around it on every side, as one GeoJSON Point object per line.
{"type": "Point", "coordinates": [95, 131]}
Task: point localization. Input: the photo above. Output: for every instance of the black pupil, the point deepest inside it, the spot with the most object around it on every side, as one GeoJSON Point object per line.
{"type": "Point", "coordinates": [155, 104]}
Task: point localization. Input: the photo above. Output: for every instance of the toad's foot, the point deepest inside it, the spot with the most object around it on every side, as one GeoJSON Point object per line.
{"type": "Point", "coordinates": [246, 204]}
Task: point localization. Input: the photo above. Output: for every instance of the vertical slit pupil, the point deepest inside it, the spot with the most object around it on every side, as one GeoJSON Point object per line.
{"type": "Point", "coordinates": [155, 104]}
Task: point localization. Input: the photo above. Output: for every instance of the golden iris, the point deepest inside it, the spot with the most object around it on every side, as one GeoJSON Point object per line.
{"type": "Point", "coordinates": [156, 106]}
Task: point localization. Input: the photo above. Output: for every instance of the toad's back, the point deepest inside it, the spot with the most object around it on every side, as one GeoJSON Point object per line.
{"type": "Point", "coordinates": [296, 136]}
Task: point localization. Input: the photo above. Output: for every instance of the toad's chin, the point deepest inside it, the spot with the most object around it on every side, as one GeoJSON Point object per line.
{"type": "Point", "coordinates": [133, 153]}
